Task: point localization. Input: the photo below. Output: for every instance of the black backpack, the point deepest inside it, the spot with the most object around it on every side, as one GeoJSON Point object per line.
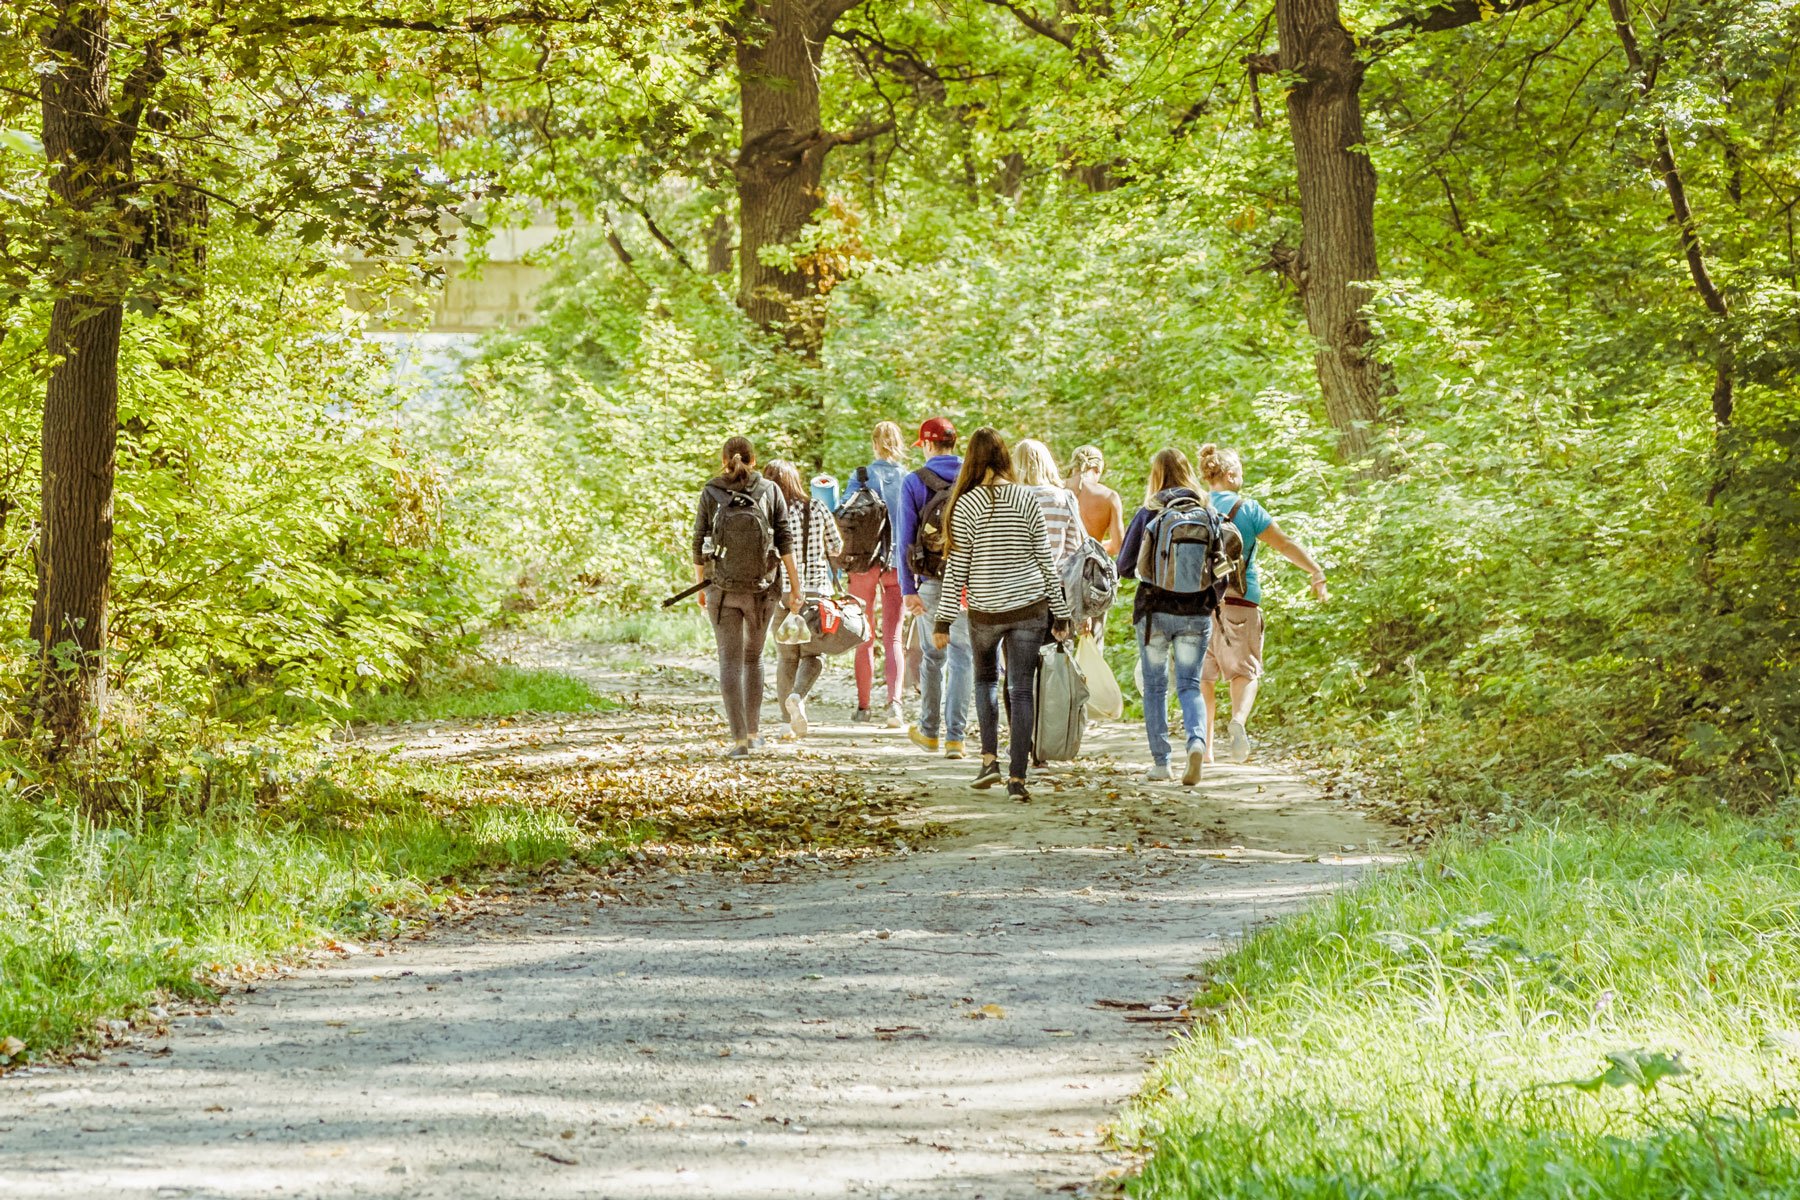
{"type": "Point", "coordinates": [863, 521]}
{"type": "Point", "coordinates": [1232, 546]}
{"type": "Point", "coordinates": [743, 542]}
{"type": "Point", "coordinates": [925, 556]}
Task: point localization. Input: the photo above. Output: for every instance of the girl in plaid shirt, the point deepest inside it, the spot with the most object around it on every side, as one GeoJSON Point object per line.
{"type": "Point", "coordinates": [816, 541]}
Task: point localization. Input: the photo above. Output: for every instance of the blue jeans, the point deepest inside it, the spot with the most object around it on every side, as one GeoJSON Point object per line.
{"type": "Point", "coordinates": [1022, 640]}
{"type": "Point", "coordinates": [934, 705]}
{"type": "Point", "coordinates": [1157, 633]}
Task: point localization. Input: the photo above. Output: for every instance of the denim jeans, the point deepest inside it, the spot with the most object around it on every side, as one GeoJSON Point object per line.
{"type": "Point", "coordinates": [1187, 636]}
{"type": "Point", "coordinates": [934, 705]}
{"type": "Point", "coordinates": [740, 624]}
{"type": "Point", "coordinates": [1021, 640]}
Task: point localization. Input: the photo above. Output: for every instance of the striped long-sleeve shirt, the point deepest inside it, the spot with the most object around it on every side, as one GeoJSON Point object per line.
{"type": "Point", "coordinates": [1062, 521]}
{"type": "Point", "coordinates": [1000, 555]}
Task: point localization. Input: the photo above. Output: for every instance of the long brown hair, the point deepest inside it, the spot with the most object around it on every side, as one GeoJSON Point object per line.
{"type": "Point", "coordinates": [1170, 468]}
{"type": "Point", "coordinates": [739, 459]}
{"type": "Point", "coordinates": [784, 475]}
{"type": "Point", "coordinates": [987, 460]}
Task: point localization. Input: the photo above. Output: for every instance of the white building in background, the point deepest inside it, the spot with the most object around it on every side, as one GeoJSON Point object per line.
{"type": "Point", "coordinates": [500, 293]}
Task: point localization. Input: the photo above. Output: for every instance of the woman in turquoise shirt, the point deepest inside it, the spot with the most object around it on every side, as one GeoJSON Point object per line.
{"type": "Point", "coordinates": [1234, 653]}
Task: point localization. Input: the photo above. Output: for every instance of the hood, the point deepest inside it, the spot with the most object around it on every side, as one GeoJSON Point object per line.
{"type": "Point", "coordinates": [727, 485]}
{"type": "Point", "coordinates": [945, 466]}
{"type": "Point", "coordinates": [1163, 498]}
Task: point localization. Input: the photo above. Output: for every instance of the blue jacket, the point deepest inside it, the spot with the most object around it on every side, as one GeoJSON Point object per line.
{"type": "Point", "coordinates": [887, 480]}
{"type": "Point", "coordinates": [906, 517]}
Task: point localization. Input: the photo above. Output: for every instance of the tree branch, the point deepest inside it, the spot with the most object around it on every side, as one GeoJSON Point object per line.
{"type": "Point", "coordinates": [1451, 14]}
{"type": "Point", "coordinates": [1037, 24]}
{"type": "Point", "coordinates": [643, 211]}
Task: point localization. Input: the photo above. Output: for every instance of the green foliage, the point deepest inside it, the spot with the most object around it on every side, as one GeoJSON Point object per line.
{"type": "Point", "coordinates": [476, 688]}
{"type": "Point", "coordinates": [1408, 1037]}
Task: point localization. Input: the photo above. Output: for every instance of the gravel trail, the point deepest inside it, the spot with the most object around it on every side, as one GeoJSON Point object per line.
{"type": "Point", "coordinates": [926, 1024]}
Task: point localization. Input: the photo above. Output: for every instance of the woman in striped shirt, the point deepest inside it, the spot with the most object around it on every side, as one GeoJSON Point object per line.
{"type": "Point", "coordinates": [999, 557]}
{"type": "Point", "coordinates": [1036, 469]}
{"type": "Point", "coordinates": [816, 539]}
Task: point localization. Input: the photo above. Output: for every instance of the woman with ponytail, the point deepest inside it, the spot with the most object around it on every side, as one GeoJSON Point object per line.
{"type": "Point", "coordinates": [741, 539]}
{"type": "Point", "coordinates": [1235, 651]}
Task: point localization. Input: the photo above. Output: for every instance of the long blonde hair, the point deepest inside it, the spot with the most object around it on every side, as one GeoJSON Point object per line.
{"type": "Point", "coordinates": [1034, 465]}
{"type": "Point", "coordinates": [1221, 468]}
{"type": "Point", "coordinates": [889, 442]}
{"type": "Point", "coordinates": [1168, 469]}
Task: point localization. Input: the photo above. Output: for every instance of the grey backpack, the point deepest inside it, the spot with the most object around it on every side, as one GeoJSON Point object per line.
{"type": "Point", "coordinates": [1090, 580]}
{"type": "Point", "coordinates": [1062, 696]}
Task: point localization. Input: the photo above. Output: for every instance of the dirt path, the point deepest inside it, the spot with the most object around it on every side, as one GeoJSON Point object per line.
{"type": "Point", "coordinates": [923, 1025]}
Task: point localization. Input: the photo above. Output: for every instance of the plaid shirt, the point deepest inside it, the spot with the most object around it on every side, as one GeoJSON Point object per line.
{"type": "Point", "coordinates": [816, 539]}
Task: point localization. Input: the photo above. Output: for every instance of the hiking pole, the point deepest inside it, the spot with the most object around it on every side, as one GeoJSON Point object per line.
{"type": "Point", "coordinates": [678, 597]}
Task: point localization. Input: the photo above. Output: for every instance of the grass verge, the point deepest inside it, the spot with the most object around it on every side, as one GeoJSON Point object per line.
{"type": "Point", "coordinates": [1423, 1034]}
{"type": "Point", "coordinates": [474, 688]}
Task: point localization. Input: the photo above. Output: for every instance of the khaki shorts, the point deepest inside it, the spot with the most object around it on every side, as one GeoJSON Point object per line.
{"type": "Point", "coordinates": [1235, 650]}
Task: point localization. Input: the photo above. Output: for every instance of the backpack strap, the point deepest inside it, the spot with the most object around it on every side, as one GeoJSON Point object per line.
{"type": "Point", "coordinates": [934, 483]}
{"type": "Point", "coordinates": [862, 476]}
{"type": "Point", "coordinates": [1232, 515]}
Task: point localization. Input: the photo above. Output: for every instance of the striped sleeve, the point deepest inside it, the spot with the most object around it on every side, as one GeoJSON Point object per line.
{"type": "Point", "coordinates": [1001, 554]}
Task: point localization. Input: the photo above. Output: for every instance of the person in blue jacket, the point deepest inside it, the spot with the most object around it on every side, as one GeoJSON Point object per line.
{"type": "Point", "coordinates": [886, 477]}
{"type": "Point", "coordinates": [922, 584]}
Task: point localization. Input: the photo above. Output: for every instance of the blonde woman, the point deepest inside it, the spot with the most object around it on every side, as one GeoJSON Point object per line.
{"type": "Point", "coordinates": [1169, 624]}
{"type": "Point", "coordinates": [1102, 512]}
{"type": "Point", "coordinates": [1035, 468]}
{"type": "Point", "coordinates": [1235, 652]}
{"type": "Point", "coordinates": [886, 477]}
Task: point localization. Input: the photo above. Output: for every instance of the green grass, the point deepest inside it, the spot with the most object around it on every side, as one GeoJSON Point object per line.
{"type": "Point", "coordinates": [680, 629]}
{"type": "Point", "coordinates": [1413, 1037]}
{"type": "Point", "coordinates": [469, 690]}
{"type": "Point", "coordinates": [96, 920]}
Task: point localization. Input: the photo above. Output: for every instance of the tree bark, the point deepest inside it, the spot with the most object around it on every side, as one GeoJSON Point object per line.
{"type": "Point", "coordinates": [781, 160]}
{"type": "Point", "coordinates": [88, 148]}
{"type": "Point", "coordinates": [1337, 213]}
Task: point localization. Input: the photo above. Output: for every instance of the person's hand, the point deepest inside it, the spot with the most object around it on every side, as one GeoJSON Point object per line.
{"type": "Point", "coordinates": [700, 598]}
{"type": "Point", "coordinates": [915, 605]}
{"type": "Point", "coordinates": [795, 602]}
{"type": "Point", "coordinates": [941, 640]}
{"type": "Point", "coordinates": [1319, 589]}
{"type": "Point", "coordinates": [1062, 629]}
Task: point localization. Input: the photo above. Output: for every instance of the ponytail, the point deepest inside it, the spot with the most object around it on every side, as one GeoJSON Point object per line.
{"type": "Point", "coordinates": [1221, 467]}
{"type": "Point", "coordinates": [739, 458]}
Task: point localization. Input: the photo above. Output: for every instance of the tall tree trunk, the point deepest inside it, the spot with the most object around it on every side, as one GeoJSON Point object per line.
{"type": "Point", "coordinates": [88, 148]}
{"type": "Point", "coordinates": [718, 244]}
{"type": "Point", "coordinates": [1337, 212]}
{"type": "Point", "coordinates": [781, 160]}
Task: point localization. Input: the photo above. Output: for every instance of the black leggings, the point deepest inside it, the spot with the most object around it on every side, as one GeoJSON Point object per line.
{"type": "Point", "coordinates": [740, 622]}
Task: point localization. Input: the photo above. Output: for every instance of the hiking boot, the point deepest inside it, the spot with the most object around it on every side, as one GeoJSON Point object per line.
{"type": "Point", "coordinates": [795, 708]}
{"type": "Point", "coordinates": [923, 740]}
{"type": "Point", "coordinates": [1240, 743]}
{"type": "Point", "coordinates": [990, 775]}
{"type": "Point", "coordinates": [1158, 772]}
{"type": "Point", "coordinates": [896, 716]}
{"type": "Point", "coordinates": [1195, 764]}
{"type": "Point", "coordinates": [1015, 790]}
{"type": "Point", "coordinates": [954, 749]}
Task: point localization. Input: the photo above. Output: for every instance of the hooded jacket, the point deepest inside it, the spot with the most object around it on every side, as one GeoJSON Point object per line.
{"type": "Point", "coordinates": [766, 494]}
{"type": "Point", "coordinates": [1150, 598]}
{"type": "Point", "coordinates": [912, 502]}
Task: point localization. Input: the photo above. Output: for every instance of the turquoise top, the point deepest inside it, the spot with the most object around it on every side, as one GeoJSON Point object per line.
{"type": "Point", "coordinates": [1252, 518]}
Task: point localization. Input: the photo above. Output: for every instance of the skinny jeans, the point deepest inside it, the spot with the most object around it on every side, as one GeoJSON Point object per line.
{"type": "Point", "coordinates": [740, 622]}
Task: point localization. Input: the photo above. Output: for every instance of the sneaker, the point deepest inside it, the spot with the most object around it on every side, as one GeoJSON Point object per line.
{"type": "Point", "coordinates": [923, 740]}
{"type": "Point", "coordinates": [1196, 764]}
{"type": "Point", "coordinates": [1015, 790]}
{"type": "Point", "coordinates": [795, 708]}
{"type": "Point", "coordinates": [990, 775]}
{"type": "Point", "coordinates": [862, 716]}
{"type": "Point", "coordinates": [896, 716]}
{"type": "Point", "coordinates": [740, 750]}
{"type": "Point", "coordinates": [757, 743]}
{"type": "Point", "coordinates": [954, 749]}
{"type": "Point", "coordinates": [1157, 773]}
{"type": "Point", "coordinates": [1240, 743]}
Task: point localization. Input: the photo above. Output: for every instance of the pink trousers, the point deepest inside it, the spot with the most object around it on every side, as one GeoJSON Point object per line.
{"type": "Point", "coordinates": [866, 586]}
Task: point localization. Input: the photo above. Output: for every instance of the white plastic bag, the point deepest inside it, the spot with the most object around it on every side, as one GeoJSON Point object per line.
{"type": "Point", "coordinates": [793, 630]}
{"type": "Point", "coordinates": [1105, 700]}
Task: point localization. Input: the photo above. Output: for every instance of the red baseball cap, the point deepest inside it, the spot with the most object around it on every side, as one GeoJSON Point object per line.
{"type": "Point", "coordinates": [937, 429]}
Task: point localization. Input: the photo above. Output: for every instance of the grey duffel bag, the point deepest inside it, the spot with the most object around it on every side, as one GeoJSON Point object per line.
{"type": "Point", "coordinates": [1062, 696]}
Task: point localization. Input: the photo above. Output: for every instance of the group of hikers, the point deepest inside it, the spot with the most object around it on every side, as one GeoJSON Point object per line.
{"type": "Point", "coordinates": [995, 555]}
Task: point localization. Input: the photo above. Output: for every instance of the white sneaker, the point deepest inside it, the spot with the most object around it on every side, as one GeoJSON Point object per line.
{"type": "Point", "coordinates": [1240, 743]}
{"type": "Point", "coordinates": [896, 716]}
{"type": "Point", "coordinates": [795, 708]}
{"type": "Point", "coordinates": [1158, 772]}
{"type": "Point", "coordinates": [1196, 763]}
